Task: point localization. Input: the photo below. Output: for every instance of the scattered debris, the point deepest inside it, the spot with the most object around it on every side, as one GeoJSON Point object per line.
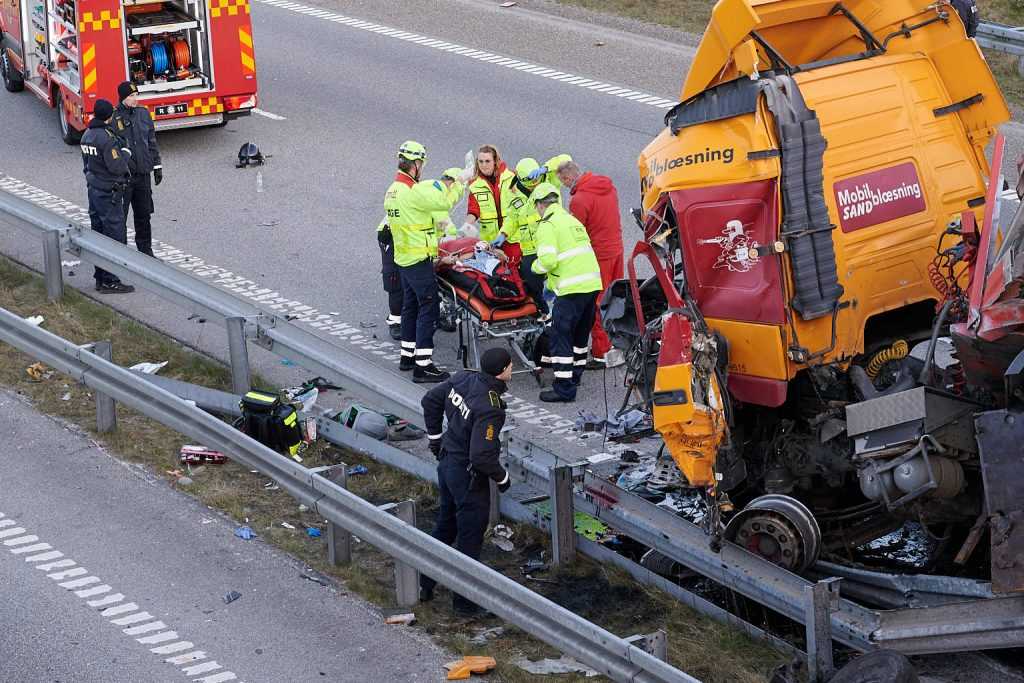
{"type": "Point", "coordinates": [37, 372]}
{"type": "Point", "coordinates": [601, 457]}
{"type": "Point", "coordinates": [462, 669]}
{"type": "Point", "coordinates": [66, 397]}
{"type": "Point", "coordinates": [148, 368]}
{"type": "Point", "coordinates": [367, 325]}
{"type": "Point", "coordinates": [303, 508]}
{"type": "Point", "coordinates": [309, 430]}
{"type": "Point", "coordinates": [201, 454]}
{"type": "Point", "coordinates": [486, 635]}
{"type": "Point", "coordinates": [286, 525]}
{"type": "Point", "coordinates": [634, 421]}
{"type": "Point", "coordinates": [598, 44]}
{"type": "Point", "coordinates": [356, 470]}
{"type": "Point", "coordinates": [286, 362]}
{"type": "Point", "coordinates": [35, 320]}
{"type": "Point", "coordinates": [245, 533]}
{"type": "Point", "coordinates": [562, 665]}
{"type": "Point", "coordinates": [313, 532]}
{"type": "Point", "coordinates": [534, 564]}
{"type": "Point", "coordinates": [404, 619]}
{"type": "Point", "coordinates": [231, 597]}
{"type": "Point", "coordinates": [174, 473]}
{"type": "Point", "coordinates": [508, 4]}
{"type": "Point", "coordinates": [271, 486]}
{"type": "Point", "coordinates": [70, 264]}
{"type": "Point", "coordinates": [185, 481]}
{"type": "Point", "coordinates": [402, 430]}
{"type": "Point", "coordinates": [314, 579]}
{"type": "Point", "coordinates": [502, 537]}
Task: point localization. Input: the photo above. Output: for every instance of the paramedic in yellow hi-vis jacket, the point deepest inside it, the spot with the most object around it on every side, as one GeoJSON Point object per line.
{"type": "Point", "coordinates": [566, 259]}
{"type": "Point", "coordinates": [410, 214]}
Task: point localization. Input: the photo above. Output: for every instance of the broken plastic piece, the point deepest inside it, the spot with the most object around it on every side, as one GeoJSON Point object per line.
{"type": "Point", "coordinates": [245, 533]}
{"type": "Point", "coordinates": [286, 525]}
{"type": "Point", "coordinates": [35, 320]}
{"type": "Point", "coordinates": [231, 597]}
{"type": "Point", "coordinates": [356, 470]}
{"type": "Point", "coordinates": [403, 619]}
{"type": "Point", "coordinates": [148, 368]}
{"type": "Point", "coordinates": [313, 532]}
{"type": "Point", "coordinates": [201, 454]}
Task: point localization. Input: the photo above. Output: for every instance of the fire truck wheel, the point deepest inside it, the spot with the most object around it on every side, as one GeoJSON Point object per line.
{"type": "Point", "coordinates": [12, 81]}
{"type": "Point", "coordinates": [68, 133]}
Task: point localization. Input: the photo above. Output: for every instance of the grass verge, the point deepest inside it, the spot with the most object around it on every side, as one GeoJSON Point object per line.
{"type": "Point", "coordinates": [703, 648]}
{"type": "Point", "coordinates": [692, 16]}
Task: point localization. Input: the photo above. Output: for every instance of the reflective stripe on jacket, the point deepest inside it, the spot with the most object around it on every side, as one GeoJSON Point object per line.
{"type": "Point", "coordinates": [564, 254]}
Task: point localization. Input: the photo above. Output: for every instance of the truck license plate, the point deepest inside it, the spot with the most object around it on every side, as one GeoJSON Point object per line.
{"type": "Point", "coordinates": [168, 109]}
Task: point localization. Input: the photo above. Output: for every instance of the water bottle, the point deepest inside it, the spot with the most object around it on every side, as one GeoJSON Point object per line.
{"type": "Point", "coordinates": [259, 180]}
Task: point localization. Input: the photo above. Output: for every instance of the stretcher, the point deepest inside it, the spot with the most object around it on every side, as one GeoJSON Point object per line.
{"type": "Point", "coordinates": [477, 318]}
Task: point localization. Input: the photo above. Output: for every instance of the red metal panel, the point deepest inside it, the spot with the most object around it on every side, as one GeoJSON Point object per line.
{"type": "Point", "coordinates": [879, 196]}
{"type": "Point", "coordinates": [234, 65]}
{"type": "Point", "coordinates": [101, 35]}
{"type": "Point", "coordinates": [719, 228]}
{"type": "Point", "coordinates": [758, 390]}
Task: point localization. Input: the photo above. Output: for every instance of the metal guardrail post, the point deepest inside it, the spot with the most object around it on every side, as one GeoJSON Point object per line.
{"type": "Point", "coordinates": [53, 273]}
{"type": "Point", "coordinates": [563, 518]}
{"type": "Point", "coordinates": [822, 599]}
{"type": "Point", "coordinates": [339, 540]}
{"type": "Point", "coordinates": [241, 378]}
{"type": "Point", "coordinates": [106, 409]}
{"type": "Point", "coordinates": [407, 579]}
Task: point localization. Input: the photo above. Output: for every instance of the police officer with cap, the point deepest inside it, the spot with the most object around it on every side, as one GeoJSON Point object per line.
{"type": "Point", "coordinates": [134, 124]}
{"type": "Point", "coordinates": [107, 175]}
{"type": "Point", "coordinates": [468, 457]}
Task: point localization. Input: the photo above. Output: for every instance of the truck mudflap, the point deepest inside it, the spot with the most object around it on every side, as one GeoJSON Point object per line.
{"type": "Point", "coordinates": [806, 227]}
{"type": "Point", "coordinates": [999, 434]}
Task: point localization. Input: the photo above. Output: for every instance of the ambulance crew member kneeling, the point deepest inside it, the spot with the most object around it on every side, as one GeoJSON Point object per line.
{"type": "Point", "coordinates": [467, 454]}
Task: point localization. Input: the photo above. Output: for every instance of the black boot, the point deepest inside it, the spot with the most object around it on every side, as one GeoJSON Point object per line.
{"type": "Point", "coordinates": [114, 288]}
{"type": "Point", "coordinates": [406, 364]}
{"type": "Point", "coordinates": [396, 331]}
{"type": "Point", "coordinates": [429, 374]}
{"type": "Point", "coordinates": [552, 396]}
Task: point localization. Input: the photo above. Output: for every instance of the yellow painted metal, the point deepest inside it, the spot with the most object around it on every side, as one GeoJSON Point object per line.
{"type": "Point", "coordinates": [692, 431]}
{"type": "Point", "coordinates": [756, 350]}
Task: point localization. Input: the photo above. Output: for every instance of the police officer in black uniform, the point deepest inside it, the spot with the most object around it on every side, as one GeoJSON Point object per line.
{"type": "Point", "coordinates": [468, 457]}
{"type": "Point", "coordinates": [968, 11]}
{"type": "Point", "coordinates": [105, 164]}
{"type": "Point", "coordinates": [134, 124]}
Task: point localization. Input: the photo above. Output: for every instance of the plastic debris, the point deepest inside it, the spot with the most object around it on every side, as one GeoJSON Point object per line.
{"type": "Point", "coordinates": [286, 525]}
{"type": "Point", "coordinates": [66, 397]}
{"type": "Point", "coordinates": [367, 325]}
{"type": "Point", "coordinates": [303, 508]}
{"type": "Point", "coordinates": [148, 368]}
{"type": "Point", "coordinates": [562, 665]}
{"type": "Point", "coordinates": [201, 454]}
{"type": "Point", "coordinates": [245, 533]}
{"type": "Point", "coordinates": [403, 619]}
{"type": "Point", "coordinates": [313, 532]}
{"type": "Point", "coordinates": [286, 362]}
{"type": "Point", "coordinates": [502, 537]}
{"type": "Point", "coordinates": [70, 264]}
{"type": "Point", "coordinates": [613, 426]}
{"type": "Point", "coordinates": [356, 470]}
{"type": "Point", "coordinates": [37, 372]}
{"type": "Point", "coordinates": [314, 579]}
{"type": "Point", "coordinates": [463, 668]}
{"type": "Point", "coordinates": [271, 486]}
{"type": "Point", "coordinates": [231, 597]}
{"type": "Point", "coordinates": [486, 635]}
{"type": "Point", "coordinates": [508, 4]}
{"type": "Point", "coordinates": [35, 320]}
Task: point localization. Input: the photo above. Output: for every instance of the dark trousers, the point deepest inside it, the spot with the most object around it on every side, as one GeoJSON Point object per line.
{"type": "Point", "coordinates": [139, 198]}
{"type": "Point", "coordinates": [389, 271]}
{"type": "Point", "coordinates": [571, 319]}
{"type": "Point", "coordinates": [463, 515]}
{"type": "Point", "coordinates": [421, 309]}
{"type": "Point", "coordinates": [533, 282]}
{"type": "Point", "coordinates": [106, 216]}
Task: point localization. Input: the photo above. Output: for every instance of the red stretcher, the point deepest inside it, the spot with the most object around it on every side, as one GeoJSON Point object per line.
{"type": "Point", "coordinates": [482, 307]}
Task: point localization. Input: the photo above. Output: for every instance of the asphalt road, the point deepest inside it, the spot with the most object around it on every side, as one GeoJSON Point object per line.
{"type": "Point", "coordinates": [107, 574]}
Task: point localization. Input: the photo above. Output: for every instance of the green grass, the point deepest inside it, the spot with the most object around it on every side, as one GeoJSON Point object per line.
{"type": "Point", "coordinates": [703, 648]}
{"type": "Point", "coordinates": [692, 16]}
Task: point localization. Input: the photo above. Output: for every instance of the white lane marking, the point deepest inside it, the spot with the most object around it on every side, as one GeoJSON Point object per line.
{"type": "Point", "coordinates": [7, 522]}
{"type": "Point", "coordinates": [267, 114]}
{"type": "Point", "coordinates": [21, 541]}
{"type": "Point", "coordinates": [471, 53]}
{"type": "Point", "coordinates": [328, 325]}
{"type": "Point", "coordinates": [112, 608]}
{"type": "Point", "coordinates": [12, 532]}
{"type": "Point", "coordinates": [34, 548]}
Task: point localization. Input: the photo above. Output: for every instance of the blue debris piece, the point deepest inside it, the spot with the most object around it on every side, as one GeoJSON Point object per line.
{"type": "Point", "coordinates": [245, 533]}
{"type": "Point", "coordinates": [231, 597]}
{"type": "Point", "coordinates": [313, 532]}
{"type": "Point", "coordinates": [357, 469]}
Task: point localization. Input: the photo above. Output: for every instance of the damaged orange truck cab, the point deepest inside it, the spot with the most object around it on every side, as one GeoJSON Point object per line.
{"type": "Point", "coordinates": [819, 152]}
{"type": "Point", "coordinates": [192, 61]}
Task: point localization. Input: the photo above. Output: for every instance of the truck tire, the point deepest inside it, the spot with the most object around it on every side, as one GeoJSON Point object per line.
{"type": "Point", "coordinates": [12, 80]}
{"type": "Point", "coordinates": [878, 666]}
{"type": "Point", "coordinates": [68, 133]}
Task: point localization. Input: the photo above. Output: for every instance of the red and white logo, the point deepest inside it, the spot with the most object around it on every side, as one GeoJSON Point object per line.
{"type": "Point", "coordinates": [879, 196]}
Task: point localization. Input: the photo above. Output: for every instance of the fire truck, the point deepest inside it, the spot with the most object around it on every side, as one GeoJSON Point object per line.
{"type": "Point", "coordinates": [191, 60]}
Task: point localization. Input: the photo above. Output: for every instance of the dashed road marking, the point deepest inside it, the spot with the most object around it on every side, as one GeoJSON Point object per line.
{"type": "Point", "coordinates": [478, 55]}
{"type": "Point", "coordinates": [140, 625]}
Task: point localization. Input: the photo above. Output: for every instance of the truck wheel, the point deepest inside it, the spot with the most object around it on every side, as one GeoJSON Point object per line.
{"type": "Point", "coordinates": [68, 133]}
{"type": "Point", "coordinates": [12, 80]}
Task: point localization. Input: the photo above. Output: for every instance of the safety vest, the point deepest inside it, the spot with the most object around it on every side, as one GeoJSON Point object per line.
{"type": "Point", "coordinates": [564, 254]}
{"type": "Point", "coordinates": [411, 212]}
{"type": "Point", "coordinates": [402, 182]}
{"type": "Point", "coordinates": [489, 209]}
{"type": "Point", "coordinates": [520, 225]}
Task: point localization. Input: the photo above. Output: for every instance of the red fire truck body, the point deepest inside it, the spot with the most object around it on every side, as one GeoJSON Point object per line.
{"type": "Point", "coordinates": [191, 60]}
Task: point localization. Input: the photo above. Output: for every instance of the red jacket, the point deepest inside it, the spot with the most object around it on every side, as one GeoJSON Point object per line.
{"type": "Point", "coordinates": [595, 203]}
{"type": "Point", "coordinates": [473, 207]}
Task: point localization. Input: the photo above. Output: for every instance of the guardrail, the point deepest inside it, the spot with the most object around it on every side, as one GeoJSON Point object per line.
{"type": "Point", "coordinates": [979, 624]}
{"type": "Point", "coordinates": [1002, 38]}
{"type": "Point", "coordinates": [555, 625]}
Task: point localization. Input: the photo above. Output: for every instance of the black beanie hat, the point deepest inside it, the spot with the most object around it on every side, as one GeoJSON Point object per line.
{"type": "Point", "coordinates": [494, 361]}
{"type": "Point", "coordinates": [103, 110]}
{"type": "Point", "coordinates": [124, 90]}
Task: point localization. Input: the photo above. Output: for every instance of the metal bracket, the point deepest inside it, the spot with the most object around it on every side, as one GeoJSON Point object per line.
{"type": "Point", "coordinates": [822, 600]}
{"type": "Point", "coordinates": [407, 578]}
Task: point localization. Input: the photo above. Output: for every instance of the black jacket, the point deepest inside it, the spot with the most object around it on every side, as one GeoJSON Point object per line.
{"type": "Point", "coordinates": [104, 163]}
{"type": "Point", "coordinates": [135, 125]}
{"type": "Point", "coordinates": [968, 11]}
{"type": "Point", "coordinates": [476, 413]}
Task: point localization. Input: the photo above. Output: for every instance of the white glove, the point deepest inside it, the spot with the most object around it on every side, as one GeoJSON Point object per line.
{"type": "Point", "coordinates": [469, 230]}
{"type": "Point", "coordinates": [467, 175]}
{"type": "Point", "coordinates": [470, 160]}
